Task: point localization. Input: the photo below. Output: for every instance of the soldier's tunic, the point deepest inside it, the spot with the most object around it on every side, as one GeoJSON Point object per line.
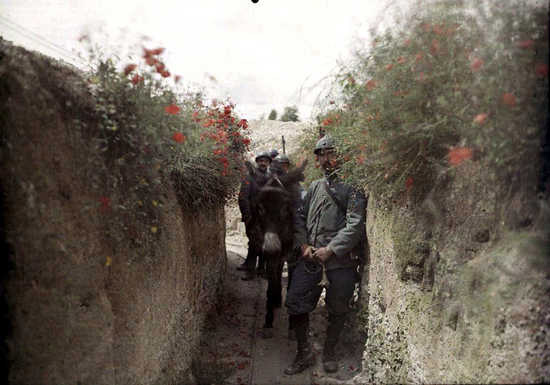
{"type": "Point", "coordinates": [320, 223]}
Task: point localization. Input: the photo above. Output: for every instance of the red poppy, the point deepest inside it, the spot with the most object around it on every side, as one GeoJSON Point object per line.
{"type": "Point", "coordinates": [435, 47]}
{"type": "Point", "coordinates": [541, 69]}
{"type": "Point", "coordinates": [137, 79]}
{"type": "Point", "coordinates": [409, 183]}
{"type": "Point", "coordinates": [389, 67]}
{"type": "Point", "coordinates": [165, 74]}
{"type": "Point", "coordinates": [509, 99]}
{"type": "Point", "coordinates": [246, 141]}
{"type": "Point", "coordinates": [105, 202]}
{"type": "Point", "coordinates": [159, 66]}
{"type": "Point", "coordinates": [480, 118]}
{"type": "Point", "coordinates": [327, 122]}
{"type": "Point", "coordinates": [157, 51]}
{"type": "Point", "coordinates": [178, 137]}
{"type": "Point", "coordinates": [331, 102]}
{"type": "Point", "coordinates": [243, 123]}
{"type": "Point", "coordinates": [177, 78]}
{"type": "Point", "coordinates": [459, 154]}
{"type": "Point", "coordinates": [439, 29]}
{"type": "Point", "coordinates": [227, 110]}
{"type": "Point", "coordinates": [172, 109]}
{"type": "Point", "coordinates": [150, 61]}
{"type": "Point", "coordinates": [476, 64]}
{"type": "Point", "coordinates": [129, 68]}
{"type": "Point", "coordinates": [525, 44]}
{"type": "Point", "coordinates": [371, 85]}
{"type": "Point", "coordinates": [401, 60]}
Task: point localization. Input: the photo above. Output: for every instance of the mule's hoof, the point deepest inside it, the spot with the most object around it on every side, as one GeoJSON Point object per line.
{"type": "Point", "coordinates": [267, 333]}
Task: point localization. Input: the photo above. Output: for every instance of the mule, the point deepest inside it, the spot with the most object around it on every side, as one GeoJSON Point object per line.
{"type": "Point", "coordinates": [275, 207]}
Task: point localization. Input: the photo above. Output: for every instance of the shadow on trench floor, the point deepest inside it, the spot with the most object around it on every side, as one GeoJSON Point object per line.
{"type": "Point", "coordinates": [232, 350]}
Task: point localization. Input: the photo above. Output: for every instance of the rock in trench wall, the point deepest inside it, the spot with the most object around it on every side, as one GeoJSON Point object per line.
{"type": "Point", "coordinates": [94, 296]}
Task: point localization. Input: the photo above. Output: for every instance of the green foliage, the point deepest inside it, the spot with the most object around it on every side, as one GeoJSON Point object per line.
{"type": "Point", "coordinates": [453, 82]}
{"type": "Point", "coordinates": [145, 121]}
{"type": "Point", "coordinates": [272, 115]}
{"type": "Point", "coordinates": [290, 114]}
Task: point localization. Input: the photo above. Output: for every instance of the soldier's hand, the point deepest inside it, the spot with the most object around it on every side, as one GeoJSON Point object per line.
{"type": "Point", "coordinates": [307, 251]}
{"type": "Point", "coordinates": [323, 254]}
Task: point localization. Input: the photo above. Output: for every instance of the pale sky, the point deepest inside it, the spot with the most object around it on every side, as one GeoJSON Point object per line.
{"type": "Point", "coordinates": [264, 55]}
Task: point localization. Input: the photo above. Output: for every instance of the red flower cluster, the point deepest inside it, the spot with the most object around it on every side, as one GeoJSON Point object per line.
{"type": "Point", "coordinates": [526, 44]}
{"type": "Point", "coordinates": [172, 109]}
{"type": "Point", "coordinates": [150, 58]}
{"type": "Point", "coordinates": [243, 123]}
{"type": "Point", "coordinates": [409, 183]}
{"type": "Point", "coordinates": [476, 64]}
{"type": "Point", "coordinates": [480, 118]}
{"type": "Point", "coordinates": [129, 68]}
{"type": "Point", "coordinates": [370, 85]}
{"type": "Point", "coordinates": [509, 99]}
{"type": "Point", "coordinates": [137, 79]}
{"type": "Point", "coordinates": [178, 137]}
{"type": "Point", "coordinates": [541, 69]}
{"type": "Point", "coordinates": [105, 203]}
{"type": "Point", "coordinates": [459, 154]}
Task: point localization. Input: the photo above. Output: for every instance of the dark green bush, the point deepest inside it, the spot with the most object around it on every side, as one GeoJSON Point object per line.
{"type": "Point", "coordinates": [453, 82]}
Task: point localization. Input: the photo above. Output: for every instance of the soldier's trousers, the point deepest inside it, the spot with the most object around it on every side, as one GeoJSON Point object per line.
{"type": "Point", "coordinates": [304, 292]}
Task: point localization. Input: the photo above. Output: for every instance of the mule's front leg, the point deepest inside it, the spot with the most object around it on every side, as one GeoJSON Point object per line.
{"type": "Point", "coordinates": [274, 297]}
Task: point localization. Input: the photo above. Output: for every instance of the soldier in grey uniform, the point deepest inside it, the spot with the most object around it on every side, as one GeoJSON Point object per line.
{"type": "Point", "coordinates": [329, 227]}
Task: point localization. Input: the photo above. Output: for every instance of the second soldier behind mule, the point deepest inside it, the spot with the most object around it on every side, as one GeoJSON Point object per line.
{"type": "Point", "coordinates": [249, 188]}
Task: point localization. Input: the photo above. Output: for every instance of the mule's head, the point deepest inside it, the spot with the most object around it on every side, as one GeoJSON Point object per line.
{"type": "Point", "coordinates": [277, 203]}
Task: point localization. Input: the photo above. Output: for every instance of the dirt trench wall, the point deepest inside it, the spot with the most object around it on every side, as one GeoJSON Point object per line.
{"type": "Point", "coordinates": [459, 287]}
{"type": "Point", "coordinates": [95, 294]}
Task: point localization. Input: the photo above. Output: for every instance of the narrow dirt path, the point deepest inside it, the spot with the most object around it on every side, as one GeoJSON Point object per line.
{"type": "Point", "coordinates": [233, 352]}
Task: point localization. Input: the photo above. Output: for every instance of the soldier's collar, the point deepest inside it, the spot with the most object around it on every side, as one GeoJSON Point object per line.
{"type": "Point", "coordinates": [332, 176]}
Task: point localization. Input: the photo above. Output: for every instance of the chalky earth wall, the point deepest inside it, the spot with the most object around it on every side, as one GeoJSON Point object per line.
{"type": "Point", "coordinates": [93, 295]}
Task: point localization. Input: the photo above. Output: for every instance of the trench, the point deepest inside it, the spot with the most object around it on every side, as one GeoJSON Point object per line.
{"type": "Point", "coordinates": [232, 350]}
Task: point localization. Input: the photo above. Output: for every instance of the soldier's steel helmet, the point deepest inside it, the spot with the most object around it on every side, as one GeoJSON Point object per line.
{"type": "Point", "coordinates": [282, 158]}
{"type": "Point", "coordinates": [273, 153]}
{"type": "Point", "coordinates": [325, 143]}
{"type": "Point", "coordinates": [264, 154]}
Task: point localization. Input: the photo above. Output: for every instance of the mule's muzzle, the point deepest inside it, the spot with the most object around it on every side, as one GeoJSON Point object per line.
{"type": "Point", "coordinates": [272, 244]}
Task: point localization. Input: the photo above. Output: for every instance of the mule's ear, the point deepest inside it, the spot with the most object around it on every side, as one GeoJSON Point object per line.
{"type": "Point", "coordinates": [250, 168]}
{"type": "Point", "coordinates": [302, 165]}
{"type": "Point", "coordinates": [294, 175]}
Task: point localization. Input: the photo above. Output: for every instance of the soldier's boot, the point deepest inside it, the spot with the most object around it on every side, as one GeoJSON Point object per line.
{"type": "Point", "coordinates": [304, 357]}
{"type": "Point", "coordinates": [334, 329]}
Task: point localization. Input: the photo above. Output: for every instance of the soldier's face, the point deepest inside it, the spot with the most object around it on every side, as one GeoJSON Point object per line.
{"type": "Point", "coordinates": [327, 159]}
{"type": "Point", "coordinates": [285, 166]}
{"type": "Point", "coordinates": [263, 163]}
